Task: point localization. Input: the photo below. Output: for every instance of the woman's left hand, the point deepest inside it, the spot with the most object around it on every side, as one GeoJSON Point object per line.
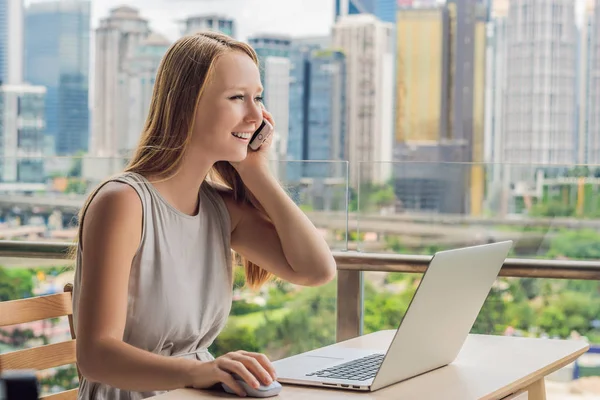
{"type": "Point", "coordinates": [258, 159]}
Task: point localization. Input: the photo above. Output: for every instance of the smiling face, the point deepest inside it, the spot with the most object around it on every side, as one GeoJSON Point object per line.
{"type": "Point", "coordinates": [229, 110]}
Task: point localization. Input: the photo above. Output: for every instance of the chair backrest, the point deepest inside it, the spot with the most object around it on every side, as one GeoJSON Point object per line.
{"type": "Point", "coordinates": [47, 356]}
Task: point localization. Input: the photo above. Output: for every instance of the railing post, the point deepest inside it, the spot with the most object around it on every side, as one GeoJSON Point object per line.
{"type": "Point", "coordinates": [349, 305]}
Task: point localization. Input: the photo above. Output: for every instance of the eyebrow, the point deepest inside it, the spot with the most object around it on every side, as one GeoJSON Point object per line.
{"type": "Point", "coordinates": [260, 88]}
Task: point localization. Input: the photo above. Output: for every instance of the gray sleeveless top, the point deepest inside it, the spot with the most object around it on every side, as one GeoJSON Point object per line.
{"type": "Point", "coordinates": [180, 285]}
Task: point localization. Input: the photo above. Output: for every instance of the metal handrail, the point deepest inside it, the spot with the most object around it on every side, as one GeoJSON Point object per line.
{"type": "Point", "coordinates": [357, 261]}
{"type": "Point", "coordinates": [350, 265]}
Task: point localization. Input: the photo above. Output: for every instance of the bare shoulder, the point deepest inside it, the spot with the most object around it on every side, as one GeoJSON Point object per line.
{"type": "Point", "coordinates": [115, 197]}
{"type": "Point", "coordinates": [115, 209]}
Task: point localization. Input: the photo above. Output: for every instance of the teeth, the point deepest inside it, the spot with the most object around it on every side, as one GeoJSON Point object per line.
{"type": "Point", "coordinates": [242, 135]}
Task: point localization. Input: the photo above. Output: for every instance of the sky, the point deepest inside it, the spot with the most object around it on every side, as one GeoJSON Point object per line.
{"type": "Point", "coordinates": [293, 17]}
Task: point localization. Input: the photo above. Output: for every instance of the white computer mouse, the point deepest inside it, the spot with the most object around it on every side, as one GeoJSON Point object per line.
{"type": "Point", "coordinates": [262, 391]}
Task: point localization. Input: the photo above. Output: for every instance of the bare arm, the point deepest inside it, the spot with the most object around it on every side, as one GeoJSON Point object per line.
{"type": "Point", "coordinates": [111, 236]}
{"type": "Point", "coordinates": [288, 245]}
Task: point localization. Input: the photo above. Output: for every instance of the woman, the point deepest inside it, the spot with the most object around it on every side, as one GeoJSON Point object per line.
{"type": "Point", "coordinates": [153, 283]}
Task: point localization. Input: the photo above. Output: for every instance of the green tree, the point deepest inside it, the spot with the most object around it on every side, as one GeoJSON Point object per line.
{"type": "Point", "coordinates": [384, 309]}
{"type": "Point", "coordinates": [309, 324]}
{"type": "Point", "coordinates": [492, 318]}
{"type": "Point", "coordinates": [15, 283]}
{"type": "Point", "coordinates": [552, 208]}
{"type": "Point", "coordinates": [77, 186]}
{"type": "Point", "coordinates": [76, 165]}
{"type": "Point", "coordinates": [64, 378]}
{"type": "Point", "coordinates": [576, 244]}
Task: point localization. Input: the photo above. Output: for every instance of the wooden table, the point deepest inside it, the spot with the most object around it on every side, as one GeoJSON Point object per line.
{"type": "Point", "coordinates": [488, 367]}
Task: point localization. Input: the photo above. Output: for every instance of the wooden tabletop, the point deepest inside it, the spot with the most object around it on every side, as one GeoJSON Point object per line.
{"type": "Point", "coordinates": [488, 367]}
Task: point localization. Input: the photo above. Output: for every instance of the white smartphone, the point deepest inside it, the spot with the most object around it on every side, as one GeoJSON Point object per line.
{"type": "Point", "coordinates": [262, 133]}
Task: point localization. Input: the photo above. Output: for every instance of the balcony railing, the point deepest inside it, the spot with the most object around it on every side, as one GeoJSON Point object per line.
{"type": "Point", "coordinates": [350, 266]}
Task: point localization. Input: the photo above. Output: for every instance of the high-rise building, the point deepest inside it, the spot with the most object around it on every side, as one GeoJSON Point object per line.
{"type": "Point", "coordinates": [440, 75]}
{"type": "Point", "coordinates": [270, 45]}
{"type": "Point", "coordinates": [436, 60]}
{"type": "Point", "coordinates": [142, 67]}
{"type": "Point", "coordinates": [217, 23]}
{"type": "Point", "coordinates": [386, 10]}
{"type": "Point", "coordinates": [422, 75]}
{"type": "Point", "coordinates": [593, 147]}
{"type": "Point", "coordinates": [539, 113]}
{"type": "Point", "coordinates": [22, 133]}
{"type": "Point", "coordinates": [353, 7]}
{"type": "Point", "coordinates": [300, 52]}
{"type": "Point", "coordinates": [325, 125]}
{"type": "Point", "coordinates": [317, 106]}
{"type": "Point", "coordinates": [274, 65]}
{"type": "Point", "coordinates": [585, 43]}
{"type": "Point", "coordinates": [496, 82]}
{"type": "Point", "coordinates": [117, 39]}
{"type": "Point", "coordinates": [11, 41]}
{"type": "Point", "coordinates": [367, 44]}
{"type": "Point", "coordinates": [57, 35]}
{"type": "Point", "coordinates": [496, 70]}
{"type": "Point", "coordinates": [276, 84]}
{"type": "Point", "coordinates": [477, 181]}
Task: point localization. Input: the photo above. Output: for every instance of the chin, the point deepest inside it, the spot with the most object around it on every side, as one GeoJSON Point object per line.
{"type": "Point", "coordinates": [237, 156]}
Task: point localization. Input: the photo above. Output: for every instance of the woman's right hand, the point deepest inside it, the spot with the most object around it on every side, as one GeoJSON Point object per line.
{"type": "Point", "coordinates": [254, 368]}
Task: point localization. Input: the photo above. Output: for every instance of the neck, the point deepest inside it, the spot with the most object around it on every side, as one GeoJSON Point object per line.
{"type": "Point", "coordinates": [181, 189]}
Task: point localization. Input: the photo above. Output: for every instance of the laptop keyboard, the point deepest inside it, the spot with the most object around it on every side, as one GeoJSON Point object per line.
{"type": "Point", "coordinates": [360, 369]}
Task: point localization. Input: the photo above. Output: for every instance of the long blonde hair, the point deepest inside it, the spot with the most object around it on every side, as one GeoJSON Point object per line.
{"type": "Point", "coordinates": [179, 83]}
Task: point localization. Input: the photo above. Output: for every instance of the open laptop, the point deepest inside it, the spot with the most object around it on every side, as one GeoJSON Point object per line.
{"type": "Point", "coordinates": [431, 334]}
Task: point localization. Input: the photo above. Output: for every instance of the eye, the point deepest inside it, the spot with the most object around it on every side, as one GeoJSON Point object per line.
{"type": "Point", "coordinates": [259, 99]}
{"type": "Point", "coordinates": [238, 97]}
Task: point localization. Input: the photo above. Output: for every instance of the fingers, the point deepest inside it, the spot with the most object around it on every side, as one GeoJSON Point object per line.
{"type": "Point", "coordinates": [229, 380]}
{"type": "Point", "coordinates": [264, 362]}
{"type": "Point", "coordinates": [267, 115]}
{"type": "Point", "coordinates": [254, 366]}
{"type": "Point", "coordinates": [237, 367]}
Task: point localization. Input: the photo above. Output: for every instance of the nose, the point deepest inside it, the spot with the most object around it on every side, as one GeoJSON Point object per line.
{"type": "Point", "coordinates": [254, 113]}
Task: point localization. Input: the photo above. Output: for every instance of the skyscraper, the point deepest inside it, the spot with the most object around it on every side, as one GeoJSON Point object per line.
{"type": "Point", "coordinates": [594, 97]}
{"type": "Point", "coordinates": [317, 110]}
{"type": "Point", "coordinates": [353, 7]}
{"type": "Point", "coordinates": [585, 56]}
{"type": "Point", "coordinates": [142, 67]}
{"type": "Point", "coordinates": [440, 102]}
{"type": "Point", "coordinates": [57, 57]}
{"type": "Point", "coordinates": [276, 84]}
{"type": "Point", "coordinates": [128, 55]}
{"type": "Point", "coordinates": [270, 45]}
{"type": "Point", "coordinates": [274, 64]}
{"type": "Point", "coordinates": [539, 114]}
{"type": "Point", "coordinates": [300, 52]}
{"type": "Point", "coordinates": [496, 87]}
{"type": "Point", "coordinates": [367, 44]}
{"type": "Point", "coordinates": [11, 41]}
{"type": "Point", "coordinates": [217, 23]}
{"type": "Point", "coordinates": [117, 37]}
{"type": "Point", "coordinates": [21, 133]}
{"type": "Point", "coordinates": [325, 123]}
{"type": "Point", "coordinates": [385, 10]}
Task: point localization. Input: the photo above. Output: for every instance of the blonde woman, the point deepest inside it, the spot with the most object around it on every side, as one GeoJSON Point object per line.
{"type": "Point", "coordinates": [153, 283]}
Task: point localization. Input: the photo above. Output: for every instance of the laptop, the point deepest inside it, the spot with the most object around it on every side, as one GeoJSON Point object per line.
{"type": "Point", "coordinates": [431, 334]}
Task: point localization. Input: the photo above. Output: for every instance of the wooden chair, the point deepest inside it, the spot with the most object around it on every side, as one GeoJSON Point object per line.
{"type": "Point", "coordinates": [42, 357]}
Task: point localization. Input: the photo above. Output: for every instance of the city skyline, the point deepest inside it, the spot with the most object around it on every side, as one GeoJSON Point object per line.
{"type": "Point", "coordinates": [289, 18]}
{"type": "Point", "coordinates": [392, 81]}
